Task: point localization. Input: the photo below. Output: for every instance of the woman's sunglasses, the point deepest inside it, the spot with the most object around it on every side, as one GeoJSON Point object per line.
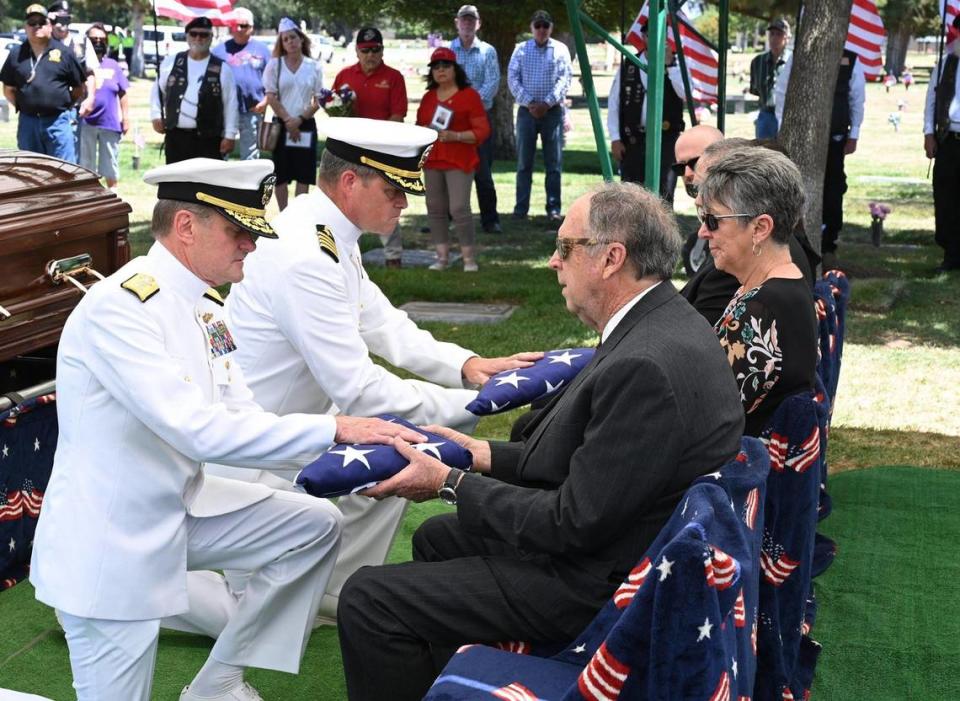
{"type": "Point", "coordinates": [712, 221]}
{"type": "Point", "coordinates": [680, 167]}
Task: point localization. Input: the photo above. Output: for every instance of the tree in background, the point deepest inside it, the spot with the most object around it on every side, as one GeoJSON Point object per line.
{"type": "Point", "coordinates": [806, 117]}
{"type": "Point", "coordinates": [905, 19]}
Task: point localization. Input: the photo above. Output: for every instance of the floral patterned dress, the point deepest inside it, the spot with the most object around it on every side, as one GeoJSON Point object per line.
{"type": "Point", "coordinates": [769, 334]}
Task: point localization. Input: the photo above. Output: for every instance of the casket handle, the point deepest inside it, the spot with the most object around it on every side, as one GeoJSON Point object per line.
{"type": "Point", "coordinates": [4, 314]}
{"type": "Point", "coordinates": [67, 269]}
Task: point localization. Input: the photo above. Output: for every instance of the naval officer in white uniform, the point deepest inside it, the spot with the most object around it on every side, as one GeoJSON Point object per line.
{"type": "Point", "coordinates": [148, 390]}
{"type": "Point", "coordinates": [308, 318]}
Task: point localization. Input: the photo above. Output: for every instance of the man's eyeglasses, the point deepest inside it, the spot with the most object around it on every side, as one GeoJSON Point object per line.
{"type": "Point", "coordinates": [243, 26]}
{"type": "Point", "coordinates": [199, 35]}
{"type": "Point", "coordinates": [37, 23]}
{"type": "Point", "coordinates": [713, 220]}
{"type": "Point", "coordinates": [680, 167]}
{"type": "Point", "coordinates": [442, 64]}
{"type": "Point", "coordinates": [371, 50]}
{"type": "Point", "coordinates": [541, 25]}
{"type": "Point", "coordinates": [565, 246]}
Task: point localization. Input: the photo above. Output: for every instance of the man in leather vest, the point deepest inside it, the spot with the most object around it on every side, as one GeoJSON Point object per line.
{"type": "Point", "coordinates": [764, 71]}
{"type": "Point", "coordinates": [941, 140]}
{"type": "Point", "coordinates": [627, 121]}
{"type": "Point", "coordinates": [194, 101]}
{"type": "Point", "coordinates": [845, 119]}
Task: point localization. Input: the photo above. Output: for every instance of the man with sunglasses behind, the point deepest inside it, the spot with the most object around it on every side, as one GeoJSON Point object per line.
{"type": "Point", "coordinates": [194, 101]}
{"type": "Point", "coordinates": [552, 524]}
{"type": "Point", "coordinates": [381, 94]}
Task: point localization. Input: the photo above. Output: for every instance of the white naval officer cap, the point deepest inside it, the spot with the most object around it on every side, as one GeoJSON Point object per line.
{"type": "Point", "coordinates": [394, 149]}
{"type": "Point", "coordinates": [238, 190]}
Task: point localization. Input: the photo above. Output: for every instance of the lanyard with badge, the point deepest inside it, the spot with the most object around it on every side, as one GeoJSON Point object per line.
{"type": "Point", "coordinates": [34, 62]}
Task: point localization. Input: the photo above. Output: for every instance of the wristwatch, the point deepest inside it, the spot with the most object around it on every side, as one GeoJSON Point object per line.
{"type": "Point", "coordinates": [448, 491]}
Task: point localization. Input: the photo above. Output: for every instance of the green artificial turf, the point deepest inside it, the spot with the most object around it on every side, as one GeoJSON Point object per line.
{"type": "Point", "coordinates": [886, 618]}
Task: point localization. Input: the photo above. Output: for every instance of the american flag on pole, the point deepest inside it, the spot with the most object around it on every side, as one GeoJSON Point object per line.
{"type": "Point", "coordinates": [220, 12]}
{"type": "Point", "coordinates": [702, 61]}
{"type": "Point", "coordinates": [865, 36]}
{"type": "Point", "coordinates": [948, 10]}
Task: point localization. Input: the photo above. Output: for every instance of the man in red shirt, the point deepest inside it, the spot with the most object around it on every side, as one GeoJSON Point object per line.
{"type": "Point", "coordinates": [381, 94]}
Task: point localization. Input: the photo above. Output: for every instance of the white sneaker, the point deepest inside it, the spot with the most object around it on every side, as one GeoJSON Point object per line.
{"type": "Point", "coordinates": [470, 267]}
{"type": "Point", "coordinates": [244, 692]}
{"type": "Point", "coordinates": [439, 265]}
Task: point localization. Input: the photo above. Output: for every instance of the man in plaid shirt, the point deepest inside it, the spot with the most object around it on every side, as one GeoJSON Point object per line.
{"type": "Point", "coordinates": [539, 76]}
{"type": "Point", "coordinates": [479, 61]}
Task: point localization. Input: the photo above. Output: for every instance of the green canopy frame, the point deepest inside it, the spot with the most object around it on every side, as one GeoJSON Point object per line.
{"type": "Point", "coordinates": [656, 45]}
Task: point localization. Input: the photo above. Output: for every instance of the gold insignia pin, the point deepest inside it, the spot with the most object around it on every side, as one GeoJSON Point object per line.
{"type": "Point", "coordinates": [207, 317]}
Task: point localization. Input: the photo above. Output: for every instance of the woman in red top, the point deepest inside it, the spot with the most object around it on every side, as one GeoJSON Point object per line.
{"type": "Point", "coordinates": [456, 111]}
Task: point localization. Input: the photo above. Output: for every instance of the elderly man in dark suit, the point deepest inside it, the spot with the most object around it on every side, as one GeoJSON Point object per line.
{"type": "Point", "coordinates": [549, 527]}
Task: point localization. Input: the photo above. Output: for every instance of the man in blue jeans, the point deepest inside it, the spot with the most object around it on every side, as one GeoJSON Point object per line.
{"type": "Point", "coordinates": [764, 70]}
{"type": "Point", "coordinates": [480, 62]}
{"type": "Point", "coordinates": [539, 76]}
{"type": "Point", "coordinates": [43, 79]}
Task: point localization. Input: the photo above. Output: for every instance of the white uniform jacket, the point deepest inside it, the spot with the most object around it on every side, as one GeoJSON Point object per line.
{"type": "Point", "coordinates": [147, 391]}
{"type": "Point", "coordinates": [306, 325]}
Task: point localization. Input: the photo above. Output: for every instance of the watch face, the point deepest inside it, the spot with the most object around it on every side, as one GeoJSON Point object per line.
{"type": "Point", "coordinates": [447, 495]}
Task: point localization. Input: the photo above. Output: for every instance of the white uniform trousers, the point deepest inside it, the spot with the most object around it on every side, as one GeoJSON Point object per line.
{"type": "Point", "coordinates": [288, 541]}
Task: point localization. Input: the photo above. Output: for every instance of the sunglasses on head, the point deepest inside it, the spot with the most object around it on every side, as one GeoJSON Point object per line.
{"type": "Point", "coordinates": [680, 167]}
{"type": "Point", "coordinates": [37, 23]}
{"type": "Point", "coordinates": [565, 246]}
{"type": "Point", "coordinates": [442, 64]}
{"type": "Point", "coordinates": [712, 221]}
{"type": "Point", "coordinates": [541, 25]}
{"type": "Point", "coordinates": [371, 50]}
{"type": "Point", "coordinates": [193, 34]}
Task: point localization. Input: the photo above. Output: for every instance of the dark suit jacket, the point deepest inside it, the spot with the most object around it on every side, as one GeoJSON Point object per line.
{"type": "Point", "coordinates": [710, 290]}
{"type": "Point", "coordinates": [604, 465]}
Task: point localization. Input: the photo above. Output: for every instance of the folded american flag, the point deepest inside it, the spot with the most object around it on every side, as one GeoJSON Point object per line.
{"type": "Point", "coordinates": [512, 388]}
{"type": "Point", "coordinates": [348, 468]}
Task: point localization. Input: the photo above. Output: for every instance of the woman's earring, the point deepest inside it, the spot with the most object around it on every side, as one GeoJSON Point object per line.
{"type": "Point", "coordinates": [757, 249]}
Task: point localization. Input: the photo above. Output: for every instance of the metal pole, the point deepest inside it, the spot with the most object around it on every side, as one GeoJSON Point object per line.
{"type": "Point", "coordinates": [6, 402]}
{"type": "Point", "coordinates": [656, 42]}
{"type": "Point", "coordinates": [603, 34]}
{"type": "Point", "coordinates": [722, 64]}
{"type": "Point", "coordinates": [586, 77]}
{"type": "Point", "coordinates": [687, 91]}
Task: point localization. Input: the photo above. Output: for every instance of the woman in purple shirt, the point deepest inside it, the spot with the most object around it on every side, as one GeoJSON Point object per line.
{"type": "Point", "coordinates": [101, 130]}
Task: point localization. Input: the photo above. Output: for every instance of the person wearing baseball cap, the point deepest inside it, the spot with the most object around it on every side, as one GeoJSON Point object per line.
{"type": "Point", "coordinates": [43, 80]}
{"type": "Point", "coordinates": [193, 102]}
{"type": "Point", "coordinates": [381, 93]}
{"type": "Point", "coordinates": [764, 70]}
{"type": "Point", "coordinates": [307, 319]}
{"type": "Point", "coordinates": [150, 390]}
{"type": "Point", "coordinates": [247, 58]}
{"type": "Point", "coordinates": [539, 76]}
{"type": "Point", "coordinates": [482, 66]}
{"type": "Point", "coordinates": [455, 110]}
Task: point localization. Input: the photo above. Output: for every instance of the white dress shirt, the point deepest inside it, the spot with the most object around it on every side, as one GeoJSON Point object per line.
{"type": "Point", "coordinates": [188, 107]}
{"type": "Point", "coordinates": [856, 97]}
{"type": "Point", "coordinates": [147, 392]}
{"type": "Point", "coordinates": [295, 89]}
{"type": "Point", "coordinates": [613, 100]}
{"type": "Point", "coordinates": [622, 312]}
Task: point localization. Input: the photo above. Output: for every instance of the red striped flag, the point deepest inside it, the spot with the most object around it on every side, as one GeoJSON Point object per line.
{"type": "Point", "coordinates": [808, 453]}
{"type": "Point", "coordinates": [722, 692]}
{"type": "Point", "coordinates": [603, 678]}
{"type": "Point", "coordinates": [777, 446]}
{"type": "Point", "coordinates": [751, 505]}
{"type": "Point", "coordinates": [720, 569]}
{"type": "Point", "coordinates": [776, 571]}
{"type": "Point", "coordinates": [518, 647]}
{"type": "Point", "coordinates": [631, 585]}
{"type": "Point", "coordinates": [702, 62]}
{"type": "Point", "coordinates": [515, 692]}
{"type": "Point", "coordinates": [739, 611]}
{"type": "Point", "coordinates": [950, 9]}
{"type": "Point", "coordinates": [220, 12]}
{"type": "Point", "coordinates": [865, 37]}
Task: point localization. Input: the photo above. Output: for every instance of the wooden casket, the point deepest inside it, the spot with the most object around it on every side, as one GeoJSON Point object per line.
{"type": "Point", "coordinates": [59, 231]}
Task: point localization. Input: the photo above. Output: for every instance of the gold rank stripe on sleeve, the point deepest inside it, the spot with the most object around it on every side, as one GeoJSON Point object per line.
{"type": "Point", "coordinates": [327, 243]}
{"type": "Point", "coordinates": [212, 294]}
{"type": "Point", "coordinates": [141, 285]}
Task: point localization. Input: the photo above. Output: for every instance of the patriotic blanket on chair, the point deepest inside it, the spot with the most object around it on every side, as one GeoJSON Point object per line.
{"type": "Point", "coordinates": [28, 438]}
{"type": "Point", "coordinates": [348, 468]}
{"type": "Point", "coordinates": [679, 626]}
{"type": "Point", "coordinates": [831, 295]}
{"type": "Point", "coordinates": [785, 663]}
{"type": "Point", "coordinates": [512, 388]}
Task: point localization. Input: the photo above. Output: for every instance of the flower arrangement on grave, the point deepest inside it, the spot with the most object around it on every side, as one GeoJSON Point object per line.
{"type": "Point", "coordinates": [878, 212]}
{"type": "Point", "coordinates": [337, 103]}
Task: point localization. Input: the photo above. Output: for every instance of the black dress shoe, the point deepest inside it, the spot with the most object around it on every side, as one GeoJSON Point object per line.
{"type": "Point", "coordinates": [493, 228]}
